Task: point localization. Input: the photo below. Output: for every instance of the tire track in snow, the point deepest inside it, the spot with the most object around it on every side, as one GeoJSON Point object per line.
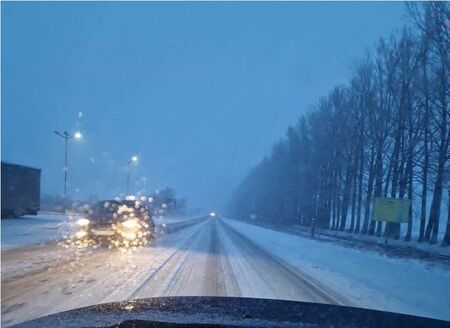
{"type": "Point", "coordinates": [220, 278]}
{"type": "Point", "coordinates": [285, 280]}
{"type": "Point", "coordinates": [178, 256]}
{"type": "Point", "coordinates": [199, 268]}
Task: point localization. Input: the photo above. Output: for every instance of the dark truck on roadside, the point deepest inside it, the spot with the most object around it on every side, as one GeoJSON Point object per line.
{"type": "Point", "coordinates": [21, 190]}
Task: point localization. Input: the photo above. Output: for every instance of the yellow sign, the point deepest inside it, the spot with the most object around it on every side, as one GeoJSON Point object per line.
{"type": "Point", "coordinates": [391, 210]}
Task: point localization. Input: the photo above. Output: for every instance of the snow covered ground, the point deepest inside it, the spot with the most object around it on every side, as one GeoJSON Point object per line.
{"type": "Point", "coordinates": [218, 257]}
{"type": "Point", "coordinates": [31, 230]}
{"type": "Point", "coordinates": [372, 280]}
{"type": "Point", "coordinates": [160, 220]}
{"type": "Point", "coordinates": [46, 227]}
{"type": "Point", "coordinates": [413, 243]}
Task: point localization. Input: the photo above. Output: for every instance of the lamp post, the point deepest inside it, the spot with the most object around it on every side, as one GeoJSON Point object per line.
{"type": "Point", "coordinates": [133, 159]}
{"type": "Point", "coordinates": [66, 135]}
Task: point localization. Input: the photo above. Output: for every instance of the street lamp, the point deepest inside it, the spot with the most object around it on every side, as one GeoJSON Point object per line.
{"type": "Point", "coordinates": [133, 159]}
{"type": "Point", "coordinates": [67, 136]}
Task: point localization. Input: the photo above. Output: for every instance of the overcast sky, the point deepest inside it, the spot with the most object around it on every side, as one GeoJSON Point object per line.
{"type": "Point", "coordinates": [199, 91]}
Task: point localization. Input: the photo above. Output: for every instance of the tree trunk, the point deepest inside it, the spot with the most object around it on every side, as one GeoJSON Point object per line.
{"type": "Point", "coordinates": [433, 221]}
{"type": "Point", "coordinates": [426, 160]}
{"type": "Point", "coordinates": [338, 207]}
{"type": "Point", "coordinates": [346, 197]}
{"type": "Point", "coordinates": [378, 181]}
{"type": "Point", "coordinates": [391, 228]}
{"type": "Point", "coordinates": [355, 180]}
{"type": "Point", "coordinates": [409, 177]}
{"type": "Point", "coordinates": [369, 194]}
{"type": "Point", "coordinates": [410, 197]}
{"type": "Point", "coordinates": [435, 211]}
{"type": "Point", "coordinates": [446, 240]}
{"type": "Point", "coordinates": [360, 182]}
{"type": "Point", "coordinates": [334, 208]}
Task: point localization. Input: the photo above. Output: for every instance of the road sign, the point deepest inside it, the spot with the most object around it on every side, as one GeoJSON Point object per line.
{"type": "Point", "coordinates": [391, 210]}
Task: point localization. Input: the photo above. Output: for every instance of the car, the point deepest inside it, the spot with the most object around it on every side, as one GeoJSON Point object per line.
{"type": "Point", "coordinates": [120, 223]}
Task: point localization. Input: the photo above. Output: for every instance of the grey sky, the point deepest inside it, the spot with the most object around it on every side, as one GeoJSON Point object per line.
{"type": "Point", "coordinates": [199, 91]}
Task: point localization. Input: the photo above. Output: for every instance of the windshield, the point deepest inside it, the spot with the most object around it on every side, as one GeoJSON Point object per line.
{"type": "Point", "coordinates": [272, 150]}
{"type": "Point", "coordinates": [106, 207]}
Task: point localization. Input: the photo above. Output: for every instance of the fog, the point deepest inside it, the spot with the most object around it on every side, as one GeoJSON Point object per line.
{"type": "Point", "coordinates": [198, 91]}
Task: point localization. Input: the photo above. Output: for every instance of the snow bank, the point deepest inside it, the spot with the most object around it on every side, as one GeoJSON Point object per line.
{"type": "Point", "coordinates": [159, 220]}
{"type": "Point", "coordinates": [369, 279]}
{"type": "Point", "coordinates": [31, 230]}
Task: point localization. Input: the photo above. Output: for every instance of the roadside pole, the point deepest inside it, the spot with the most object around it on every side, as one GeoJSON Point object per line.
{"type": "Point", "coordinates": [133, 159]}
{"type": "Point", "coordinates": [313, 228]}
{"type": "Point", "coordinates": [66, 135]}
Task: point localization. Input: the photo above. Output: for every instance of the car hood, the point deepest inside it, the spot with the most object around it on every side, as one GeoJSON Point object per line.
{"type": "Point", "coordinates": [226, 312]}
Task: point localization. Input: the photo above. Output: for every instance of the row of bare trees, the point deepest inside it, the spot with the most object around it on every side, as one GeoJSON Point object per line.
{"type": "Point", "coordinates": [384, 134]}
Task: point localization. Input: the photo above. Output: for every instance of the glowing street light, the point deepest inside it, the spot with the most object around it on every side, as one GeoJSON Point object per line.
{"type": "Point", "coordinates": [66, 135]}
{"type": "Point", "coordinates": [133, 159]}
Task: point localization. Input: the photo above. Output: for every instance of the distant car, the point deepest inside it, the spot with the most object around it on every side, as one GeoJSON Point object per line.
{"type": "Point", "coordinates": [213, 215]}
{"type": "Point", "coordinates": [119, 223]}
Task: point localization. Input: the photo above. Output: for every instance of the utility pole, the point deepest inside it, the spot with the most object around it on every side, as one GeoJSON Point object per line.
{"type": "Point", "coordinates": [131, 160]}
{"type": "Point", "coordinates": [67, 136]}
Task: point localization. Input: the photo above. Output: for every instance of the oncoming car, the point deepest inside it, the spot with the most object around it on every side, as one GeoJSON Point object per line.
{"type": "Point", "coordinates": [116, 223]}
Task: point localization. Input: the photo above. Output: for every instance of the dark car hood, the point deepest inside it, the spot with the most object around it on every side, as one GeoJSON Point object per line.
{"type": "Point", "coordinates": [226, 312]}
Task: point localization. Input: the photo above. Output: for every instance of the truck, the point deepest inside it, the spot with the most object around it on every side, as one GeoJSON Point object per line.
{"type": "Point", "coordinates": [21, 190]}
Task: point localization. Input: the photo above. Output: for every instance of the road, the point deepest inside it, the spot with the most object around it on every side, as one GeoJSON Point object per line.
{"type": "Point", "coordinates": [205, 257]}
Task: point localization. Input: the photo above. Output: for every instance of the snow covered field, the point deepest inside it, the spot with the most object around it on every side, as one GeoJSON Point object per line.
{"type": "Point", "coordinates": [219, 257]}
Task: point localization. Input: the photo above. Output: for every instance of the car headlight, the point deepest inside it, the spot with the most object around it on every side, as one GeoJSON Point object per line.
{"type": "Point", "coordinates": [83, 222]}
{"type": "Point", "coordinates": [130, 224]}
{"type": "Point", "coordinates": [129, 235]}
{"type": "Point", "coordinates": [81, 234]}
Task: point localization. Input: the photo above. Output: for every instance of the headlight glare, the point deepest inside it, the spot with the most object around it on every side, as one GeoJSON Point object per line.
{"type": "Point", "coordinates": [129, 223]}
{"type": "Point", "coordinates": [81, 234]}
{"type": "Point", "coordinates": [83, 222]}
{"type": "Point", "coordinates": [129, 235]}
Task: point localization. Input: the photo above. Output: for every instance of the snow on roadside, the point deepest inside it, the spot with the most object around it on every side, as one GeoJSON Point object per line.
{"type": "Point", "coordinates": [330, 235]}
{"type": "Point", "coordinates": [43, 228]}
{"type": "Point", "coordinates": [32, 230]}
{"type": "Point", "coordinates": [369, 279]}
{"type": "Point", "coordinates": [160, 220]}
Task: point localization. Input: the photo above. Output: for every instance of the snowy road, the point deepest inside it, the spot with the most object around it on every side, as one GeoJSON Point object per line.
{"type": "Point", "coordinates": [218, 261]}
{"type": "Point", "coordinates": [210, 257]}
{"type": "Point", "coordinates": [206, 258]}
